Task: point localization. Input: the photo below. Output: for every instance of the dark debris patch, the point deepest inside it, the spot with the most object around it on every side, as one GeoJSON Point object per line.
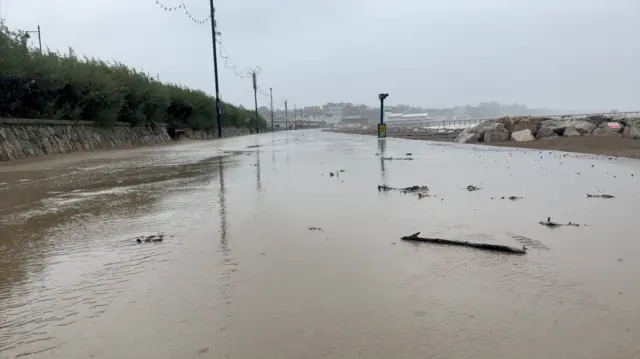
{"type": "Point", "coordinates": [510, 198]}
{"type": "Point", "coordinates": [472, 188]}
{"type": "Point", "coordinates": [606, 196]}
{"type": "Point", "coordinates": [397, 158]}
{"type": "Point", "coordinates": [421, 191]}
{"type": "Point", "coordinates": [551, 224]}
{"type": "Point", "coordinates": [155, 238]}
{"type": "Point", "coordinates": [316, 229]}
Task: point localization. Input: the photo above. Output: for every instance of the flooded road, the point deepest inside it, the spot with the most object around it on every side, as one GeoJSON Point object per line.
{"type": "Point", "coordinates": [241, 275]}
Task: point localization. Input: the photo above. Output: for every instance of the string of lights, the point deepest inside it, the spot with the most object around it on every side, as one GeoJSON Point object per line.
{"type": "Point", "coordinates": [246, 73]}
{"type": "Point", "coordinates": [182, 6]}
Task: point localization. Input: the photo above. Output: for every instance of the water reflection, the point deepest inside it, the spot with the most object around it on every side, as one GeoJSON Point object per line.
{"type": "Point", "coordinates": [382, 148]}
{"type": "Point", "coordinates": [258, 181]}
{"type": "Point", "coordinates": [223, 205]}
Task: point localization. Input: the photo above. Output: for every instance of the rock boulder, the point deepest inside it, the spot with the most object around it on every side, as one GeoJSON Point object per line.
{"type": "Point", "coordinates": [632, 129]}
{"type": "Point", "coordinates": [522, 136]}
{"type": "Point", "coordinates": [605, 130]}
{"type": "Point", "coordinates": [467, 136]}
{"type": "Point", "coordinates": [477, 133]}
{"type": "Point", "coordinates": [571, 132]}
{"type": "Point", "coordinates": [530, 124]}
{"type": "Point", "coordinates": [545, 132]}
{"type": "Point", "coordinates": [499, 133]}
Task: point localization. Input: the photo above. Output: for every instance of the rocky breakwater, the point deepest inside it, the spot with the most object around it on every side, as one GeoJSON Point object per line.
{"type": "Point", "coordinates": [524, 129]}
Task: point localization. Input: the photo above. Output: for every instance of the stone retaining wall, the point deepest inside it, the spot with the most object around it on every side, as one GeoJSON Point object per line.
{"type": "Point", "coordinates": [23, 138]}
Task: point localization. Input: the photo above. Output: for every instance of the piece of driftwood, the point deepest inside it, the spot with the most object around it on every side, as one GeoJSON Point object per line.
{"type": "Point", "coordinates": [485, 246]}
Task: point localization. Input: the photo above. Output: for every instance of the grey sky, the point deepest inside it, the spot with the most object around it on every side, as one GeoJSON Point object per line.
{"type": "Point", "coordinates": [561, 54]}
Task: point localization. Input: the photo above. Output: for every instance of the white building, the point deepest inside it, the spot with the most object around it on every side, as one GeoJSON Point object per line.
{"type": "Point", "coordinates": [401, 119]}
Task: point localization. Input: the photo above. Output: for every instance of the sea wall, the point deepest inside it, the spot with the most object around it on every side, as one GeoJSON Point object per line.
{"type": "Point", "coordinates": [24, 138]}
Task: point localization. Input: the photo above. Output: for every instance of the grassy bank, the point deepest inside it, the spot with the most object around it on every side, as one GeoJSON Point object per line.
{"type": "Point", "coordinates": [49, 85]}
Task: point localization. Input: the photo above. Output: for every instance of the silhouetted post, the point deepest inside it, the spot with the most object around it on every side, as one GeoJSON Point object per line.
{"type": "Point", "coordinates": [215, 67]}
{"type": "Point", "coordinates": [271, 96]}
{"type": "Point", "coordinates": [286, 116]}
{"type": "Point", "coordinates": [295, 113]}
{"type": "Point", "coordinates": [254, 76]}
{"type": "Point", "coordinates": [39, 37]}
{"type": "Point", "coordinates": [382, 128]}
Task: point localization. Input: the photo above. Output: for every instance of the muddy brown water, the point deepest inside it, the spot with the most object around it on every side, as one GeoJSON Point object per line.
{"type": "Point", "coordinates": [240, 275]}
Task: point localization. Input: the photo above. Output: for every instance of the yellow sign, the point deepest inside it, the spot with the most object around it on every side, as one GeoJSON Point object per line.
{"type": "Point", "coordinates": [382, 130]}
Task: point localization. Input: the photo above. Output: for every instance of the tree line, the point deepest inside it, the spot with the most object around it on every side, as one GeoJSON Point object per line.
{"type": "Point", "coordinates": [49, 85]}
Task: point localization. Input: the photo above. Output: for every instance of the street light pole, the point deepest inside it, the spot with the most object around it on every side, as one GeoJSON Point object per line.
{"type": "Point", "coordinates": [215, 67]}
{"type": "Point", "coordinates": [40, 39]}
{"type": "Point", "coordinates": [39, 36]}
{"type": "Point", "coordinates": [271, 97]}
{"type": "Point", "coordinates": [255, 92]}
{"type": "Point", "coordinates": [286, 116]}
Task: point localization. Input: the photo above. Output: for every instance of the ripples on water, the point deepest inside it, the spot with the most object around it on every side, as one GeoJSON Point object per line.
{"type": "Point", "coordinates": [240, 275]}
{"type": "Point", "coordinates": [69, 227]}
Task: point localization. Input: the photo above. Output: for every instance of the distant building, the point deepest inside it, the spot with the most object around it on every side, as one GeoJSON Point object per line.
{"type": "Point", "coordinates": [406, 120]}
{"type": "Point", "coordinates": [334, 114]}
{"type": "Point", "coordinates": [459, 114]}
{"type": "Point", "coordinates": [354, 121]}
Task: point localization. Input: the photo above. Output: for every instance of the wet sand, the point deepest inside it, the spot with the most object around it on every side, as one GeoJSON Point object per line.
{"type": "Point", "coordinates": [240, 275]}
{"type": "Point", "coordinates": [596, 145]}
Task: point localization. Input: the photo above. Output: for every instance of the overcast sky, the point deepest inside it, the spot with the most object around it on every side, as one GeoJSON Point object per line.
{"type": "Point", "coordinates": [560, 54]}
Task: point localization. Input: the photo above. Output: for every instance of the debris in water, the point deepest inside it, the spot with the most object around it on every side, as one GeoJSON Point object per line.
{"type": "Point", "coordinates": [485, 246]}
{"type": "Point", "coordinates": [155, 238]}
{"type": "Point", "coordinates": [397, 159]}
{"type": "Point", "coordinates": [472, 188]}
{"type": "Point", "coordinates": [510, 198]}
{"type": "Point", "coordinates": [316, 229]}
{"type": "Point", "coordinates": [549, 223]}
{"type": "Point", "coordinates": [607, 196]}
{"type": "Point", "coordinates": [409, 154]}
{"type": "Point", "coordinates": [421, 191]}
{"type": "Point", "coordinates": [331, 174]}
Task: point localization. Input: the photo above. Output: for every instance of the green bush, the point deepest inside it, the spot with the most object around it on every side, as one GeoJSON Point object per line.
{"type": "Point", "coordinates": [53, 86]}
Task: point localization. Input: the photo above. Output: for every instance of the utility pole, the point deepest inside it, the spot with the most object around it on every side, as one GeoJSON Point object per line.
{"type": "Point", "coordinates": [271, 96]}
{"type": "Point", "coordinates": [295, 113]}
{"type": "Point", "coordinates": [286, 116]}
{"type": "Point", "coordinates": [254, 76]}
{"type": "Point", "coordinates": [215, 66]}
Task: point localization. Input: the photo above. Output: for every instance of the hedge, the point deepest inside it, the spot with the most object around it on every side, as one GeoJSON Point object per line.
{"type": "Point", "coordinates": [49, 85]}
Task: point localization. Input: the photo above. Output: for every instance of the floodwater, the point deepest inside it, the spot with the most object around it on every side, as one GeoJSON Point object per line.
{"type": "Point", "coordinates": [240, 275]}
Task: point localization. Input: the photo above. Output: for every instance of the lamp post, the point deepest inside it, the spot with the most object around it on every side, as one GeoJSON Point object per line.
{"type": "Point", "coordinates": [382, 127]}
{"type": "Point", "coordinates": [27, 36]}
